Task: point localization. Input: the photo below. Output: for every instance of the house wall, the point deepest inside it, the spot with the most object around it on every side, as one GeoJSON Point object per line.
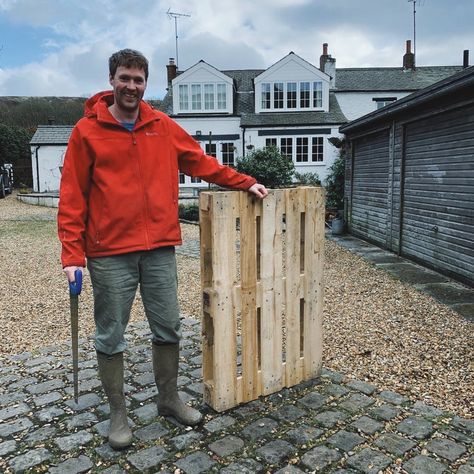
{"type": "Point", "coordinates": [429, 203]}
{"type": "Point", "coordinates": [47, 159]}
{"type": "Point", "coordinates": [357, 104]}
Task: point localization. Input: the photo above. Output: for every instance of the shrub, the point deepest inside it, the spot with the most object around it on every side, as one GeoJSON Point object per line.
{"type": "Point", "coordinates": [189, 212]}
{"type": "Point", "coordinates": [268, 166]}
{"type": "Point", "coordinates": [335, 183]}
{"type": "Point", "coordinates": [311, 179]}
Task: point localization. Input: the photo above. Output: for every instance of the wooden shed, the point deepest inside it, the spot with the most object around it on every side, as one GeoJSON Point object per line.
{"type": "Point", "coordinates": [410, 176]}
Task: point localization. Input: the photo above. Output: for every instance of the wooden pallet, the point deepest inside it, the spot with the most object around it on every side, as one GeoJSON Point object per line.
{"type": "Point", "coordinates": [262, 281]}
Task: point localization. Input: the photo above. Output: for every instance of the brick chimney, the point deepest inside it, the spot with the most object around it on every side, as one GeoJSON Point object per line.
{"type": "Point", "coordinates": [171, 70]}
{"type": "Point", "coordinates": [465, 59]}
{"type": "Point", "coordinates": [409, 57]}
{"type": "Point", "coordinates": [327, 64]}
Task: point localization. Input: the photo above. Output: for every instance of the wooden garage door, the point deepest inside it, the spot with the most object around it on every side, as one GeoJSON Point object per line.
{"type": "Point", "coordinates": [438, 207]}
{"type": "Point", "coordinates": [370, 187]}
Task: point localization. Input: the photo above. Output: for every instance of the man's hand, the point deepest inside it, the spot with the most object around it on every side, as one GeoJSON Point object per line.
{"type": "Point", "coordinates": [69, 271]}
{"type": "Point", "coordinates": [259, 190]}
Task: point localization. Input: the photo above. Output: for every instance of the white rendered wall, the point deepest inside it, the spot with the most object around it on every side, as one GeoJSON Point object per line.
{"type": "Point", "coordinates": [50, 158]}
{"type": "Point", "coordinates": [357, 104]}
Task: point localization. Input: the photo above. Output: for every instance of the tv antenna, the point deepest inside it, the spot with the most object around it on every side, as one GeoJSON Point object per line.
{"type": "Point", "coordinates": [176, 16]}
{"type": "Point", "coordinates": [420, 2]}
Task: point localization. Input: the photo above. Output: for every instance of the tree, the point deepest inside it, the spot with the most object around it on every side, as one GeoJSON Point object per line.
{"type": "Point", "coordinates": [268, 166]}
{"type": "Point", "coordinates": [335, 182]}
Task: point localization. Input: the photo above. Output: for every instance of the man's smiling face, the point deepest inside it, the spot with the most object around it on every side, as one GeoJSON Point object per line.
{"type": "Point", "coordinates": [129, 85]}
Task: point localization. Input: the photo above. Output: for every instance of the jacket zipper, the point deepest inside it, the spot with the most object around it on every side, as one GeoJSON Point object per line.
{"type": "Point", "coordinates": [145, 206]}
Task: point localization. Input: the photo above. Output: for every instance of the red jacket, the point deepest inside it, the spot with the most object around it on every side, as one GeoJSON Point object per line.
{"type": "Point", "coordinates": [119, 189]}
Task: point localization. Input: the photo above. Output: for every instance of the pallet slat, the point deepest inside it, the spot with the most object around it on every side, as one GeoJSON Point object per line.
{"type": "Point", "coordinates": [275, 308]}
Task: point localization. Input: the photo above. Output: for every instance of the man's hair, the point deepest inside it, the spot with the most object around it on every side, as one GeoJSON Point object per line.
{"type": "Point", "coordinates": [128, 58]}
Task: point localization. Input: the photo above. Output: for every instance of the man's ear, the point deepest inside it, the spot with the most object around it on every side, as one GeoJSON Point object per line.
{"type": "Point", "coordinates": [111, 78]}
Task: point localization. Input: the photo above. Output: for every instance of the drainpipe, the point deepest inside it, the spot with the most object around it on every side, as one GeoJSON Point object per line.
{"type": "Point", "coordinates": [243, 141]}
{"type": "Point", "coordinates": [37, 167]}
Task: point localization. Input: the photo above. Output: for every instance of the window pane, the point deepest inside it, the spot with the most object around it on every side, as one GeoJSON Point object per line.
{"type": "Point", "coordinates": [271, 142]}
{"type": "Point", "coordinates": [317, 94]}
{"type": "Point", "coordinates": [211, 149]}
{"type": "Point", "coordinates": [278, 95]}
{"type": "Point", "coordinates": [287, 147]}
{"type": "Point", "coordinates": [196, 96]}
{"type": "Point", "coordinates": [304, 95]}
{"type": "Point", "coordinates": [318, 149]}
{"type": "Point", "coordinates": [182, 178]}
{"type": "Point", "coordinates": [209, 96]}
{"type": "Point", "coordinates": [266, 95]}
{"type": "Point", "coordinates": [291, 95]}
{"type": "Point", "coordinates": [221, 96]}
{"type": "Point", "coordinates": [228, 154]}
{"type": "Point", "coordinates": [301, 149]}
{"type": "Point", "coordinates": [183, 97]}
{"type": "Point", "coordinates": [195, 180]}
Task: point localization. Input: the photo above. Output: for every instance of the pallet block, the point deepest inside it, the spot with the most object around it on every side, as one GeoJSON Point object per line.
{"type": "Point", "coordinates": [262, 287]}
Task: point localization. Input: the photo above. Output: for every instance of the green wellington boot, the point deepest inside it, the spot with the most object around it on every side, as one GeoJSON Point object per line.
{"type": "Point", "coordinates": [111, 376]}
{"type": "Point", "coordinates": [165, 367]}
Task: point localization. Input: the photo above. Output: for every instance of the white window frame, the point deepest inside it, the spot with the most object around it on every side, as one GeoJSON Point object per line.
{"type": "Point", "coordinates": [203, 97]}
{"type": "Point", "coordinates": [313, 147]}
{"type": "Point", "coordinates": [309, 95]}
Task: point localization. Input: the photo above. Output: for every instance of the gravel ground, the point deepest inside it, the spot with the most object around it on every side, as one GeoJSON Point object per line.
{"type": "Point", "coordinates": [375, 328]}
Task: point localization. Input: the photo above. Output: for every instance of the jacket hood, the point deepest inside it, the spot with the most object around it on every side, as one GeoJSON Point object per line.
{"type": "Point", "coordinates": [90, 107]}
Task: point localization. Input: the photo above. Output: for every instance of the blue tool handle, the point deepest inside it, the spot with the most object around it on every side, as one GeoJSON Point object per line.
{"type": "Point", "coordinates": [75, 287]}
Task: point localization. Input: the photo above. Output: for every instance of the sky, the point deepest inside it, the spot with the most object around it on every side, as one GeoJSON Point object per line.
{"type": "Point", "coordinates": [61, 47]}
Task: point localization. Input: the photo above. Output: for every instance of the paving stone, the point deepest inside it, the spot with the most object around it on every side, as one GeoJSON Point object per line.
{"type": "Point", "coordinates": [457, 435]}
{"type": "Point", "coordinates": [196, 373]}
{"type": "Point", "coordinates": [196, 463]}
{"type": "Point", "coordinates": [329, 418]}
{"type": "Point", "coordinates": [44, 387]}
{"type": "Point", "coordinates": [115, 469]}
{"type": "Point", "coordinates": [29, 459]}
{"type": "Point", "coordinates": [13, 411]}
{"type": "Point", "coordinates": [289, 469]}
{"type": "Point", "coordinates": [394, 443]}
{"type": "Point", "coordinates": [85, 401]}
{"type": "Point", "coordinates": [360, 386]}
{"type": "Point", "coordinates": [345, 440]}
{"type": "Point", "coordinates": [423, 465]}
{"type": "Point", "coordinates": [320, 458]}
{"type": "Point", "coordinates": [446, 449]}
{"type": "Point", "coordinates": [147, 458]}
{"type": "Point", "coordinates": [8, 398]}
{"type": "Point", "coordinates": [72, 466]}
{"type": "Point", "coordinates": [385, 412]}
{"type": "Point", "coordinates": [87, 386]}
{"type": "Point", "coordinates": [68, 443]}
{"type": "Point", "coordinates": [303, 434]}
{"type": "Point", "coordinates": [146, 412]}
{"type": "Point", "coordinates": [145, 379]}
{"type": "Point", "coordinates": [82, 420]}
{"type": "Point", "coordinates": [181, 442]}
{"type": "Point", "coordinates": [463, 424]}
{"type": "Point", "coordinates": [47, 398]}
{"type": "Point", "coordinates": [106, 452]}
{"type": "Point", "coordinates": [6, 429]}
{"type": "Point", "coordinates": [275, 451]}
{"type": "Point", "coordinates": [225, 446]}
{"type": "Point", "coordinates": [143, 367]}
{"type": "Point", "coordinates": [259, 428]}
{"type": "Point", "coordinates": [417, 427]}
{"type": "Point", "coordinates": [332, 375]}
{"type": "Point", "coordinates": [313, 400]}
{"type": "Point", "coordinates": [45, 368]}
{"type": "Point", "coordinates": [41, 435]}
{"type": "Point", "coordinates": [249, 409]}
{"type": "Point", "coordinates": [426, 410]}
{"type": "Point", "coordinates": [145, 394]}
{"type": "Point", "coordinates": [49, 414]}
{"type": "Point", "coordinates": [196, 388]}
{"type": "Point", "coordinates": [393, 397]}
{"type": "Point", "coordinates": [39, 360]}
{"type": "Point", "coordinates": [369, 461]}
{"type": "Point", "coordinates": [243, 466]}
{"type": "Point", "coordinates": [183, 380]}
{"type": "Point", "coordinates": [7, 447]}
{"type": "Point", "coordinates": [151, 432]}
{"type": "Point", "coordinates": [219, 423]}
{"type": "Point", "coordinates": [8, 379]}
{"type": "Point", "coordinates": [367, 425]}
{"type": "Point", "coordinates": [356, 402]}
{"type": "Point", "coordinates": [335, 390]}
{"type": "Point", "coordinates": [288, 413]}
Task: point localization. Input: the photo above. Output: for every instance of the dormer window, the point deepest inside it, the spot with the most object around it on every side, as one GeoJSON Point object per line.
{"type": "Point", "coordinates": [202, 97]}
{"type": "Point", "coordinates": [291, 95]}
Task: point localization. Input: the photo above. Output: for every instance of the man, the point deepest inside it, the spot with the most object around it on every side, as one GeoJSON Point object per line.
{"type": "Point", "coordinates": [118, 209]}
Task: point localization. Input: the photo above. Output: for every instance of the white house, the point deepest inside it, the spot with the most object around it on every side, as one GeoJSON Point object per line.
{"type": "Point", "coordinates": [292, 104]}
